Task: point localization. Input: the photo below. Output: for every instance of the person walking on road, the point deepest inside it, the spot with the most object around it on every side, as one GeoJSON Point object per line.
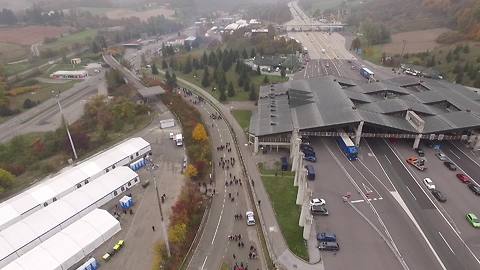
{"type": "Point", "coordinates": [153, 228]}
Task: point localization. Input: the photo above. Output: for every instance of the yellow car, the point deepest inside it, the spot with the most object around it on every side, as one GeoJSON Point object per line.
{"type": "Point", "coordinates": [118, 246]}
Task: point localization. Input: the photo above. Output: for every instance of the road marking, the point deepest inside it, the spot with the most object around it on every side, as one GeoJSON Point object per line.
{"type": "Point", "coordinates": [220, 219]}
{"type": "Point", "coordinates": [388, 159]}
{"type": "Point", "coordinates": [446, 242]}
{"type": "Point", "coordinates": [454, 154]}
{"type": "Point", "coordinates": [411, 193]}
{"type": "Point", "coordinates": [446, 220]}
{"type": "Point", "coordinates": [362, 200]}
{"type": "Point", "coordinates": [204, 261]}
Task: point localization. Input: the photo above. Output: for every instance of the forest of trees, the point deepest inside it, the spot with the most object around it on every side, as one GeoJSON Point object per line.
{"type": "Point", "coordinates": [271, 12]}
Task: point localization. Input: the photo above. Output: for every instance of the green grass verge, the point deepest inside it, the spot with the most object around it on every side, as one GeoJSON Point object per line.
{"type": "Point", "coordinates": [283, 196]}
{"type": "Point", "coordinates": [243, 118]}
{"type": "Point", "coordinates": [373, 54]}
{"type": "Point", "coordinates": [82, 37]}
{"type": "Point", "coordinates": [44, 93]}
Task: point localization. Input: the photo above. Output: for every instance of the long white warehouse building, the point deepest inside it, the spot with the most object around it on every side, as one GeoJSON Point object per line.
{"type": "Point", "coordinates": [71, 178]}
{"type": "Point", "coordinates": [71, 245]}
{"type": "Point", "coordinates": [29, 232]}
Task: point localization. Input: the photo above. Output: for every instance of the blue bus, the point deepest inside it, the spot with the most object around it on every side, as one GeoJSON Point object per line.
{"type": "Point", "coordinates": [366, 73]}
{"type": "Point", "coordinates": [348, 147]}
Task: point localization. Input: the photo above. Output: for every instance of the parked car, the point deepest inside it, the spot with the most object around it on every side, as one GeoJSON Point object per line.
{"type": "Point", "coordinates": [441, 156]}
{"type": "Point", "coordinates": [310, 158]}
{"type": "Point", "coordinates": [429, 183]}
{"type": "Point", "coordinates": [474, 188]}
{"type": "Point", "coordinates": [318, 210]}
{"type": "Point", "coordinates": [305, 146]}
{"type": "Point", "coordinates": [307, 152]}
{"type": "Point", "coordinates": [473, 220]}
{"type": "Point", "coordinates": [439, 195]}
{"type": "Point", "coordinates": [326, 237]}
{"type": "Point", "coordinates": [317, 201]}
{"type": "Point", "coordinates": [463, 178]}
{"type": "Point", "coordinates": [450, 165]}
{"type": "Point", "coordinates": [420, 152]}
{"type": "Point", "coordinates": [328, 246]}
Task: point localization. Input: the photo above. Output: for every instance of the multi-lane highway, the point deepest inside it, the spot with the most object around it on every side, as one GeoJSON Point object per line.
{"type": "Point", "coordinates": [411, 229]}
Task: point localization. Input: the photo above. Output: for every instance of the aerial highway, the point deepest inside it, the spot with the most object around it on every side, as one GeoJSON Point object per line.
{"type": "Point", "coordinates": [424, 234]}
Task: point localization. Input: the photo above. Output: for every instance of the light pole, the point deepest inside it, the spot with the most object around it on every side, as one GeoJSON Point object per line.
{"type": "Point", "coordinates": [57, 95]}
{"type": "Point", "coordinates": [167, 244]}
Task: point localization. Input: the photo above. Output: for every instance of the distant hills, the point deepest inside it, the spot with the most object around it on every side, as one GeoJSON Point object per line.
{"type": "Point", "coordinates": [406, 15]}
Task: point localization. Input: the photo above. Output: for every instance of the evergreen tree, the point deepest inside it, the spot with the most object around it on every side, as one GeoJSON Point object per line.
{"type": "Point", "coordinates": [477, 81]}
{"type": "Point", "coordinates": [259, 72]}
{"type": "Point", "coordinates": [204, 59]}
{"type": "Point", "coordinates": [241, 80]}
{"type": "Point", "coordinates": [472, 73]}
{"type": "Point", "coordinates": [246, 86]}
{"type": "Point", "coordinates": [283, 73]}
{"type": "Point", "coordinates": [195, 63]}
{"type": "Point", "coordinates": [168, 77]}
{"type": "Point", "coordinates": [221, 90]}
{"type": "Point", "coordinates": [266, 80]}
{"type": "Point", "coordinates": [253, 53]}
{"type": "Point", "coordinates": [206, 77]}
{"type": "Point", "coordinates": [231, 90]}
{"type": "Point", "coordinates": [212, 59]}
{"type": "Point", "coordinates": [164, 64]}
{"type": "Point", "coordinates": [187, 67]}
{"type": "Point", "coordinates": [244, 53]}
{"type": "Point", "coordinates": [238, 66]}
{"type": "Point", "coordinates": [154, 69]}
{"type": "Point", "coordinates": [253, 93]}
{"type": "Point", "coordinates": [466, 49]}
{"type": "Point", "coordinates": [459, 77]}
{"type": "Point", "coordinates": [173, 80]}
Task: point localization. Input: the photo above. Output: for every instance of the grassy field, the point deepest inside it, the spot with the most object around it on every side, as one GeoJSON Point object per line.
{"type": "Point", "coordinates": [44, 93]}
{"type": "Point", "coordinates": [68, 40]}
{"type": "Point", "coordinates": [12, 52]}
{"type": "Point", "coordinates": [283, 196]}
{"type": "Point", "coordinates": [240, 94]}
{"type": "Point", "coordinates": [243, 118]}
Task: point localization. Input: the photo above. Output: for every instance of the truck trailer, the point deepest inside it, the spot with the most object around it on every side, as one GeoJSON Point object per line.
{"type": "Point", "coordinates": [347, 146]}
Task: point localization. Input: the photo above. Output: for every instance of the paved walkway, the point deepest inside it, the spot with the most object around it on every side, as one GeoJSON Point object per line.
{"type": "Point", "coordinates": [281, 255]}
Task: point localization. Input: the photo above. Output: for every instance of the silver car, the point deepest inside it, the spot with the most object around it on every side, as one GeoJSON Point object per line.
{"type": "Point", "coordinates": [441, 156]}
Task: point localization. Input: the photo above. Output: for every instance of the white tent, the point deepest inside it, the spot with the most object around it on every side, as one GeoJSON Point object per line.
{"type": "Point", "coordinates": [43, 224]}
{"type": "Point", "coordinates": [55, 187]}
{"type": "Point", "coordinates": [71, 245]}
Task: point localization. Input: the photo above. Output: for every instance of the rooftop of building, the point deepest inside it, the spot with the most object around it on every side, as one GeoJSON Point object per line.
{"type": "Point", "coordinates": [330, 102]}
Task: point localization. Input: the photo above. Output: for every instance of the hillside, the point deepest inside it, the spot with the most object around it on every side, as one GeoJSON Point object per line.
{"type": "Point", "coordinates": [408, 15]}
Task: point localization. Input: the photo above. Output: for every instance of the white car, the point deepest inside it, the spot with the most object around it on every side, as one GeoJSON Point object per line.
{"type": "Point", "coordinates": [441, 156]}
{"type": "Point", "coordinates": [172, 136]}
{"type": "Point", "coordinates": [429, 183]}
{"type": "Point", "coordinates": [250, 218]}
{"type": "Point", "coordinates": [317, 201]}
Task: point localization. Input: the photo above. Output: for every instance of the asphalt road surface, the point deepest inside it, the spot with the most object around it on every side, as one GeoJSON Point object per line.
{"type": "Point", "coordinates": [443, 232]}
{"type": "Point", "coordinates": [214, 248]}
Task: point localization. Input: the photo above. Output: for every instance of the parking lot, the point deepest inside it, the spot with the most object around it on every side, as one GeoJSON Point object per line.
{"type": "Point", "coordinates": [137, 228]}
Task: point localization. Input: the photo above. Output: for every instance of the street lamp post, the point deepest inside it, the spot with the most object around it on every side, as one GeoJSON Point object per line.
{"type": "Point", "coordinates": [167, 244]}
{"type": "Point", "coordinates": [57, 95]}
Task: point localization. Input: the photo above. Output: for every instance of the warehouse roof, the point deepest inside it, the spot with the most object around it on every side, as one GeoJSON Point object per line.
{"type": "Point", "coordinates": [39, 226]}
{"type": "Point", "coordinates": [56, 186]}
{"type": "Point", "coordinates": [71, 245]}
{"type": "Point", "coordinates": [329, 102]}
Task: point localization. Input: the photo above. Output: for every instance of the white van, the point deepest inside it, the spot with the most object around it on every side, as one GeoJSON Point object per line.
{"type": "Point", "coordinates": [250, 218]}
{"type": "Point", "coordinates": [179, 139]}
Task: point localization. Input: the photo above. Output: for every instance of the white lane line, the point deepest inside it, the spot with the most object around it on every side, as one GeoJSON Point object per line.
{"type": "Point", "coordinates": [465, 154]}
{"type": "Point", "coordinates": [204, 261]}
{"type": "Point", "coordinates": [446, 242]}
{"type": "Point", "coordinates": [388, 159]}
{"type": "Point", "coordinates": [357, 201]}
{"type": "Point", "coordinates": [443, 216]}
{"type": "Point", "coordinates": [454, 154]}
{"type": "Point", "coordinates": [219, 220]}
{"type": "Point", "coordinates": [411, 193]}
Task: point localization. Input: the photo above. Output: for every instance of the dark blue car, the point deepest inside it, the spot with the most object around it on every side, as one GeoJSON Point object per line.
{"type": "Point", "coordinates": [310, 158]}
